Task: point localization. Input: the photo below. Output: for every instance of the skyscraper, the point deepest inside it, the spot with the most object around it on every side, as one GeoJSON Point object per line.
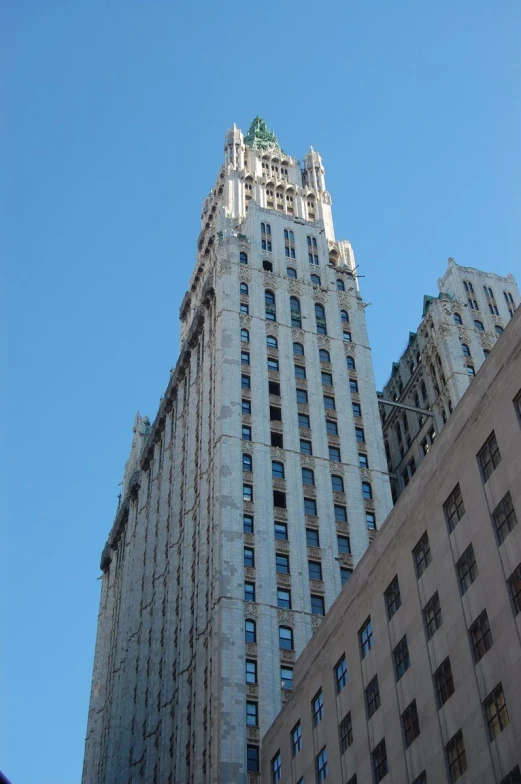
{"type": "Point", "coordinates": [252, 495]}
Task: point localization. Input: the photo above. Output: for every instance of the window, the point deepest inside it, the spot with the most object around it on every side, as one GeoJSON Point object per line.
{"type": "Point", "coordinates": [331, 427]}
{"type": "Point", "coordinates": [454, 508]}
{"type": "Point", "coordinates": [323, 355]}
{"type": "Point", "coordinates": [283, 599]}
{"type": "Point", "coordinates": [279, 499]}
{"type": "Point", "coordinates": [308, 477]}
{"type": "Point", "coordinates": [274, 388]}
{"type": "Point", "coordinates": [340, 285]}
{"type": "Point", "coordinates": [281, 531]}
{"type": "Point", "coordinates": [344, 545]}
{"type": "Point", "coordinates": [432, 616]}
{"type": "Point", "coordinates": [269, 300]}
{"type": "Point", "coordinates": [410, 724]}
{"type": "Point", "coordinates": [271, 341]}
{"type": "Point", "coordinates": [340, 513]}
{"type": "Point", "coordinates": [337, 483]}
{"type": "Point", "coordinates": [329, 402]}
{"type": "Point", "coordinates": [457, 319]}
{"type": "Point", "coordinates": [253, 758]}
{"type": "Point", "coordinates": [504, 518]}
{"type": "Point", "coordinates": [303, 421]}
{"type": "Point", "coordinates": [249, 556]}
{"type": "Point", "coordinates": [321, 765]}
{"type": "Point", "coordinates": [499, 330]}
{"type": "Point", "coordinates": [344, 316]}
{"type": "Point", "coordinates": [456, 757]}
{"type": "Point", "coordinates": [466, 569]}
{"type": "Point", "coordinates": [249, 592]}
{"type": "Point", "coordinates": [443, 682]}
{"type": "Point", "coordinates": [401, 659]}
{"type": "Point", "coordinates": [302, 396]}
{"type": "Point", "coordinates": [317, 708]}
{"type": "Point", "coordinates": [296, 317]}
{"type": "Point", "coordinates": [244, 308]}
{"type": "Point", "coordinates": [246, 463]}
{"type": "Point", "coordinates": [334, 454]}
{"type": "Point", "coordinates": [277, 469]}
{"type": "Point", "coordinates": [317, 605]}
{"type": "Point", "coordinates": [514, 777]}
{"type": "Point", "coordinates": [247, 524]}
{"type": "Point", "coordinates": [370, 520]}
{"type": "Point", "coordinates": [320, 316]}
{"type": "Point", "coordinates": [496, 712]}
{"type": "Point", "coordinates": [314, 570]}
{"type": "Point", "coordinates": [360, 435]}
{"type": "Point", "coordinates": [315, 280]}
{"type": "Point", "coordinates": [296, 739]}
{"type": "Point", "coordinates": [246, 433]}
{"type": "Point", "coordinates": [479, 325]}
{"type": "Point", "coordinates": [480, 637]}
{"type": "Point", "coordinates": [486, 352]}
{"type": "Point", "coordinates": [422, 555]}
{"type": "Point", "coordinates": [345, 574]}
{"type": "Point", "coordinates": [243, 258]}
{"type": "Point", "coordinates": [341, 674]}
{"type": "Point", "coordinates": [471, 370]}
{"type": "Point", "coordinates": [251, 671]}
{"type": "Point", "coordinates": [514, 588]}
{"type": "Point", "coordinates": [365, 636]}
{"type": "Point", "coordinates": [350, 363]}
{"type": "Point", "coordinates": [466, 350]}
{"type": "Point", "coordinates": [245, 382]}
{"type": "Point", "coordinates": [267, 266]}
{"type": "Point", "coordinates": [250, 631]}
{"type": "Point", "coordinates": [379, 760]}
{"type": "Point", "coordinates": [312, 539]}
{"type": "Point", "coordinates": [282, 562]}
{"type": "Point", "coordinates": [273, 365]}
{"type": "Point", "coordinates": [277, 439]}
{"type": "Point", "coordinates": [346, 733]}
{"type": "Point", "coordinates": [327, 379]}
{"type": "Point", "coordinates": [393, 600]}
{"type": "Point", "coordinates": [291, 272]}
{"type": "Point", "coordinates": [244, 289]}
{"type": "Point", "coordinates": [298, 349]}
{"type": "Point", "coordinates": [367, 491]}
{"type": "Point", "coordinates": [310, 507]}
{"type": "Point", "coordinates": [247, 493]}
{"type": "Point", "coordinates": [245, 358]}
{"type": "Point", "coordinates": [300, 372]}
{"type": "Point", "coordinates": [363, 460]}
{"type": "Point", "coordinates": [285, 638]}
{"type": "Point", "coordinates": [245, 336]}
{"type": "Point", "coordinates": [357, 409]}
{"type": "Point", "coordinates": [266, 236]}
{"type": "Point", "coordinates": [276, 768]}
{"type": "Point", "coordinates": [489, 457]}
{"type": "Point", "coordinates": [348, 338]}
{"type": "Point", "coordinates": [275, 414]}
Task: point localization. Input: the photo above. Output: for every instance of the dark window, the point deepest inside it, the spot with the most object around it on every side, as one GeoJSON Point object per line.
{"type": "Point", "coordinates": [340, 513]}
{"type": "Point", "coordinates": [331, 427]}
{"type": "Point", "coordinates": [298, 349]}
{"type": "Point", "coordinates": [312, 538]}
{"type": "Point", "coordinates": [279, 499]}
{"type": "Point", "coordinates": [348, 338]}
{"type": "Point", "coordinates": [456, 757]}
{"type": "Point", "coordinates": [277, 469]}
{"type": "Point", "coordinates": [466, 350]}
{"type": "Point", "coordinates": [251, 671]}
{"type": "Point", "coordinates": [466, 569]}
{"type": "Point", "coordinates": [340, 285]}
{"type": "Point", "coordinates": [310, 506]}
{"type": "Point", "coordinates": [314, 570]}
{"type": "Point", "coordinates": [296, 739]}
{"type": "Point", "coordinates": [350, 363]}
{"type": "Point", "coordinates": [317, 708]}
{"type": "Point", "coordinates": [302, 396]}
{"type": "Point", "coordinates": [345, 574]}
{"type": "Point", "coordinates": [324, 355]}
{"type": "Point", "coordinates": [285, 638]}
{"type": "Point", "coordinates": [249, 592]}
{"type": "Point", "coordinates": [296, 316]}
{"type": "Point", "coordinates": [275, 414]}
{"type": "Point", "coordinates": [303, 421]}
{"type": "Point", "coordinates": [245, 382]}
{"type": "Point", "coordinates": [243, 258]}
{"type": "Point", "coordinates": [365, 636]}
{"type": "Point", "coordinates": [457, 318]}
{"type": "Point", "coordinates": [392, 598]}
{"type": "Point", "coordinates": [308, 477]}
{"type": "Point", "coordinates": [321, 765]}
{"type": "Point", "coordinates": [320, 316]}
{"type": "Point", "coordinates": [334, 454]}
{"type": "Point", "coordinates": [253, 758]}
{"type": "Point", "coordinates": [247, 524]}
{"type": "Point", "coordinates": [410, 724]}
{"type": "Point", "coordinates": [346, 733]}
{"type": "Point", "coordinates": [344, 545]}
{"type": "Point", "coordinates": [317, 605]}
{"type": "Point", "coordinates": [277, 439]}
{"type": "Point", "coordinates": [360, 435]}
{"type": "Point", "coordinates": [454, 508]}
{"type": "Point", "coordinates": [401, 658]}
{"type": "Point", "coordinates": [514, 588]}
{"type": "Point", "coordinates": [274, 388]}
{"type": "Point", "coordinates": [379, 760]}
{"type": "Point", "coordinates": [300, 372]}
{"type": "Point", "coordinates": [344, 315]}
{"type": "Point", "coordinates": [337, 483]}
{"type": "Point", "coordinates": [504, 518]}
{"type": "Point", "coordinates": [281, 531]}
{"type": "Point", "coordinates": [422, 555]}
{"type": "Point", "coordinates": [244, 308]}
{"type": "Point", "coordinates": [305, 447]}
{"type": "Point", "coordinates": [249, 556]}
{"type": "Point", "coordinates": [496, 712]}
{"type": "Point", "coordinates": [443, 682]}
{"type": "Point", "coordinates": [282, 562]}
{"type": "Point", "coordinates": [276, 768]}
{"type": "Point", "coordinates": [246, 433]}
{"type": "Point", "coordinates": [514, 777]}
{"type": "Point", "coordinates": [357, 409]}
{"type": "Point", "coordinates": [246, 463]}
{"type": "Point", "coordinates": [432, 616]}
{"type": "Point", "coordinates": [479, 326]}
{"type": "Point", "coordinates": [480, 636]}
{"type": "Point", "coordinates": [269, 300]}
{"type": "Point", "coordinates": [367, 491]}
{"type": "Point", "coordinates": [315, 280]}
{"type": "Point", "coordinates": [341, 674]}
{"type": "Point", "coordinates": [363, 460]}
{"type": "Point", "coordinates": [499, 330]}
{"type": "Point", "coordinates": [329, 402]}
{"type": "Point", "coordinates": [267, 266]}
{"type": "Point", "coordinates": [250, 631]}
{"type": "Point", "coordinates": [283, 599]}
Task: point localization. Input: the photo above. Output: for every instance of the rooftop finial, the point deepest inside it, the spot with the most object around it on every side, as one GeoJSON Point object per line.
{"type": "Point", "coordinates": [259, 136]}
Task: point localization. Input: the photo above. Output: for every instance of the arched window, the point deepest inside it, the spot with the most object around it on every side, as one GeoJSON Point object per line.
{"type": "Point", "coordinates": [244, 289]}
{"type": "Point", "coordinates": [277, 469]}
{"type": "Point", "coordinates": [243, 257]}
{"type": "Point", "coordinates": [298, 349]}
{"type": "Point", "coordinates": [479, 325]}
{"type": "Point", "coordinates": [269, 299]}
{"type": "Point", "coordinates": [291, 273]}
{"type": "Point", "coordinates": [457, 318]}
{"type": "Point", "coordinates": [344, 315]}
{"type": "Point", "coordinates": [246, 462]}
{"type": "Point", "coordinates": [337, 483]}
{"type": "Point", "coordinates": [245, 336]}
{"type": "Point", "coordinates": [320, 315]}
{"type": "Point", "coordinates": [367, 491]}
{"type": "Point", "coordinates": [324, 355]}
{"type": "Point", "coordinates": [286, 638]}
{"type": "Point", "coordinates": [308, 477]}
{"type": "Point", "coordinates": [499, 329]}
{"type": "Point", "coordinates": [267, 266]}
{"type": "Point", "coordinates": [271, 341]}
{"type": "Point", "coordinates": [250, 631]}
{"type": "Point", "coordinates": [296, 318]}
{"type": "Point", "coordinates": [315, 280]}
{"type": "Point", "coordinates": [350, 363]}
{"type": "Point", "coordinates": [465, 349]}
{"type": "Point", "coordinates": [340, 285]}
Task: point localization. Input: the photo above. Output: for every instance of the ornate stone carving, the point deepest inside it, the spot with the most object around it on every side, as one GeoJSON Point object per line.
{"type": "Point", "coordinates": [369, 505]}
{"type": "Point", "coordinates": [328, 389]}
{"type": "Point", "coordinates": [349, 349]}
{"type": "Point", "coordinates": [245, 275]}
{"type": "Point", "coordinates": [249, 539]}
{"type": "Point", "coordinates": [372, 535]}
{"type": "Point", "coordinates": [346, 559]}
{"type": "Point", "coordinates": [254, 778]}
{"type": "Point", "coordinates": [272, 328]}
{"type": "Point", "coordinates": [335, 467]}
{"type": "Point", "coordinates": [333, 440]}
{"type": "Point", "coordinates": [326, 366]}
{"type": "Point", "coordinates": [245, 320]}
{"type": "Point", "coordinates": [251, 649]}
{"type": "Point", "coordinates": [287, 656]}
{"type": "Point", "coordinates": [365, 474]}
{"type": "Point", "coordinates": [281, 545]}
{"type": "Point", "coordinates": [273, 352]}
{"type": "Point", "coordinates": [311, 521]}
{"type": "Point", "coordinates": [297, 335]}
{"type": "Point", "coordinates": [253, 733]}
{"type": "Point", "coordinates": [250, 608]}
{"type": "Point", "coordinates": [340, 498]}
{"type": "Point", "coordinates": [323, 341]}
{"type": "Point", "coordinates": [280, 514]}
{"type": "Point", "coordinates": [277, 453]}
{"type": "Point", "coordinates": [247, 476]}
{"type": "Point", "coordinates": [252, 690]}
{"type": "Point", "coordinates": [316, 620]}
{"type": "Point", "coordinates": [302, 408]}
{"type": "Point", "coordinates": [246, 419]}
{"type": "Point", "coordinates": [273, 375]}
{"type": "Point", "coordinates": [305, 432]}
{"type": "Point", "coordinates": [246, 394]}
{"type": "Point", "coordinates": [301, 383]}
{"type": "Point", "coordinates": [317, 586]}
{"type": "Point", "coordinates": [270, 280]}
{"type": "Point", "coordinates": [314, 552]}
{"type": "Point", "coordinates": [249, 572]}
{"type": "Point", "coordinates": [276, 426]}
{"type": "Point", "coordinates": [284, 580]}
{"type": "Point", "coordinates": [286, 694]}
{"type": "Point", "coordinates": [279, 484]}
{"type": "Point", "coordinates": [294, 287]}
{"type": "Point", "coordinates": [307, 460]}
{"type": "Point", "coordinates": [342, 528]}
{"type": "Point", "coordinates": [320, 296]}
{"type": "Point", "coordinates": [225, 267]}
{"type": "Point", "coordinates": [248, 506]}
{"type": "Point", "coordinates": [285, 616]}
{"type": "Point", "coordinates": [275, 400]}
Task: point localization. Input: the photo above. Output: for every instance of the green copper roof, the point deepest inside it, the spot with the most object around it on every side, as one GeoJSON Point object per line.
{"type": "Point", "coordinates": [259, 136]}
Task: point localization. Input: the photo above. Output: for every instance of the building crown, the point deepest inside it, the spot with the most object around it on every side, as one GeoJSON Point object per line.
{"type": "Point", "coordinates": [259, 136]}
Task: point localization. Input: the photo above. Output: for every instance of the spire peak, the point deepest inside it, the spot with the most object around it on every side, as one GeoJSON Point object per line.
{"type": "Point", "coordinates": [259, 135]}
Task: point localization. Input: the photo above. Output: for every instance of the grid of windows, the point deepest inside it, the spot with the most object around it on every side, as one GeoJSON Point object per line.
{"type": "Point", "coordinates": [401, 658]}
{"type": "Point", "coordinates": [432, 616]}
{"type": "Point", "coordinates": [393, 599]}
{"type": "Point", "coordinates": [296, 739]}
{"type": "Point", "coordinates": [317, 705]}
{"type": "Point", "coordinates": [372, 697]}
{"type": "Point", "coordinates": [454, 508]}
{"type": "Point", "coordinates": [341, 674]}
{"type": "Point", "coordinates": [346, 733]}
{"type": "Point", "coordinates": [456, 756]}
{"type": "Point", "coordinates": [480, 636]}
{"type": "Point", "coordinates": [410, 724]}
{"type": "Point", "coordinates": [514, 588]}
{"type": "Point", "coordinates": [379, 760]}
{"type": "Point", "coordinates": [496, 712]}
{"type": "Point", "coordinates": [466, 569]}
{"type": "Point", "coordinates": [489, 456]}
{"type": "Point", "coordinates": [422, 555]}
{"type": "Point", "coordinates": [504, 518]}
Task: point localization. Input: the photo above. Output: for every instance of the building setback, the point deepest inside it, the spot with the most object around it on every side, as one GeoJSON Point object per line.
{"type": "Point", "coordinates": [248, 501]}
{"type": "Point", "coordinates": [457, 332]}
{"type": "Point", "coordinates": [415, 673]}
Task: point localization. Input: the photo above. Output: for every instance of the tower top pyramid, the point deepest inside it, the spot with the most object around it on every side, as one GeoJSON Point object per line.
{"type": "Point", "coordinates": [259, 135]}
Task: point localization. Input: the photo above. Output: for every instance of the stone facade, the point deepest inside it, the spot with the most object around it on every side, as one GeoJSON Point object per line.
{"type": "Point", "coordinates": [458, 329]}
{"type": "Point", "coordinates": [415, 673]}
{"type": "Point", "coordinates": [195, 576]}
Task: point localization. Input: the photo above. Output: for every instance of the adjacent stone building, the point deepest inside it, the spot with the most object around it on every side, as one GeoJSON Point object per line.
{"type": "Point", "coordinates": [252, 495]}
{"type": "Point", "coordinates": [414, 676]}
{"type": "Point", "coordinates": [458, 329]}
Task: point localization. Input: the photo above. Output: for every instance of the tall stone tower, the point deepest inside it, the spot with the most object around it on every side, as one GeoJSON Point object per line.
{"type": "Point", "coordinates": [248, 501]}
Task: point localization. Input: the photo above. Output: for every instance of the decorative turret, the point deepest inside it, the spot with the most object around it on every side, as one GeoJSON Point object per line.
{"type": "Point", "coordinates": [314, 170]}
{"type": "Point", "coordinates": [234, 147]}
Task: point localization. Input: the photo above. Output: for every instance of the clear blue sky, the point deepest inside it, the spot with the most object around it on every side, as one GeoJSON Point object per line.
{"type": "Point", "coordinates": [116, 113]}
